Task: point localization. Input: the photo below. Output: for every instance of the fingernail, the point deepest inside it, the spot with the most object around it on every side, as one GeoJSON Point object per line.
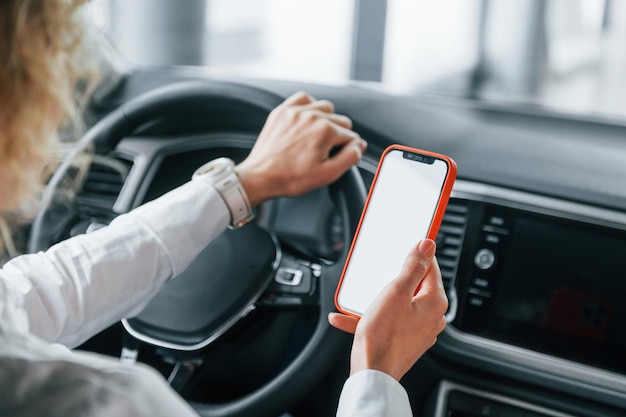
{"type": "Point", "coordinates": [427, 247]}
{"type": "Point", "coordinates": [363, 143]}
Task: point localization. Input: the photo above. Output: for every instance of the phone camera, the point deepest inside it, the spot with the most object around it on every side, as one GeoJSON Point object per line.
{"type": "Point", "coordinates": [418, 157]}
{"type": "Point", "coordinates": [412, 156]}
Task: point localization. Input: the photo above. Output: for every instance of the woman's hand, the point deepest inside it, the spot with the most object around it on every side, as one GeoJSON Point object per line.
{"type": "Point", "coordinates": [303, 145]}
{"type": "Point", "coordinates": [402, 323]}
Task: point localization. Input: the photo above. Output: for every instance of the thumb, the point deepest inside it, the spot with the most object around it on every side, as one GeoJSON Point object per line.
{"type": "Point", "coordinates": [416, 265]}
{"type": "Point", "coordinates": [343, 322]}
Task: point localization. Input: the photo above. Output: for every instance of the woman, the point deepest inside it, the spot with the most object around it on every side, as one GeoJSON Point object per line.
{"type": "Point", "coordinates": [57, 299]}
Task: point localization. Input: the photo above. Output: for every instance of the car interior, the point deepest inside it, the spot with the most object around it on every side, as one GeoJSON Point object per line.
{"type": "Point", "coordinates": [526, 97]}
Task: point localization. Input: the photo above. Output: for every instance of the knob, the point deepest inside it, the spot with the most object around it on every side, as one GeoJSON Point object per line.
{"type": "Point", "coordinates": [485, 259]}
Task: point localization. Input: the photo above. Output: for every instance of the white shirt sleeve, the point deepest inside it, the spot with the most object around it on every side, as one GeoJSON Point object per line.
{"type": "Point", "coordinates": [371, 393]}
{"type": "Point", "coordinates": [41, 379]}
{"type": "Point", "coordinates": [86, 283]}
{"type": "Point", "coordinates": [82, 285]}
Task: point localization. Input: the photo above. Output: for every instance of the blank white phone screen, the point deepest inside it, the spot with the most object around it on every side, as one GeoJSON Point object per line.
{"type": "Point", "coordinates": [399, 213]}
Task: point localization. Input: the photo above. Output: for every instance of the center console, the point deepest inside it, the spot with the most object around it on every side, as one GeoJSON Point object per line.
{"type": "Point", "coordinates": [536, 288]}
{"type": "Point", "coordinates": [550, 283]}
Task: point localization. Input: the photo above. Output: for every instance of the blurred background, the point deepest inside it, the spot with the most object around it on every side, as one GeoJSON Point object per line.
{"type": "Point", "coordinates": [565, 55]}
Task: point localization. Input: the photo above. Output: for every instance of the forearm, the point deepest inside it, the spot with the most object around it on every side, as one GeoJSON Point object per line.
{"type": "Point", "coordinates": [86, 283]}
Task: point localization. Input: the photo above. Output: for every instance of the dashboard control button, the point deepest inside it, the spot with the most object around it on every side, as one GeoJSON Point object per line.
{"type": "Point", "coordinates": [496, 220]}
{"type": "Point", "coordinates": [481, 293]}
{"type": "Point", "coordinates": [481, 283]}
{"type": "Point", "coordinates": [493, 229]}
{"type": "Point", "coordinates": [476, 301]}
{"type": "Point", "coordinates": [492, 238]}
{"type": "Point", "coordinates": [485, 259]}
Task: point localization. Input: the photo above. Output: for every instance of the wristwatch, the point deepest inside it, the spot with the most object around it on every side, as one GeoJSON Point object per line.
{"type": "Point", "coordinates": [220, 173]}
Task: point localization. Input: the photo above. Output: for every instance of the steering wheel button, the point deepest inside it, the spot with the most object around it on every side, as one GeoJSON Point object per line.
{"type": "Point", "coordinates": [316, 270]}
{"type": "Point", "coordinates": [288, 276]}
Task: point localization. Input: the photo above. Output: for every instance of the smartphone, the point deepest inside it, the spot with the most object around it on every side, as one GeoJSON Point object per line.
{"type": "Point", "coordinates": [406, 203]}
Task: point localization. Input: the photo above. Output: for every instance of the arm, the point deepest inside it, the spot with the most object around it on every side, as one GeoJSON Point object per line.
{"type": "Point", "coordinates": [397, 329]}
{"type": "Point", "coordinates": [86, 283]}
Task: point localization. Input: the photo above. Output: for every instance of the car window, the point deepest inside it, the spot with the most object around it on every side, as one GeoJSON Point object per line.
{"type": "Point", "coordinates": [564, 55]}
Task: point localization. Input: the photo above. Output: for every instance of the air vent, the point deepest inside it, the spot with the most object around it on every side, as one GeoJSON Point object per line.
{"type": "Point", "coordinates": [103, 184]}
{"type": "Point", "coordinates": [450, 240]}
{"type": "Point", "coordinates": [449, 246]}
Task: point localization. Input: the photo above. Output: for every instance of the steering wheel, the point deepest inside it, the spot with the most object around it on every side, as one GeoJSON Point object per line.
{"type": "Point", "coordinates": [194, 309]}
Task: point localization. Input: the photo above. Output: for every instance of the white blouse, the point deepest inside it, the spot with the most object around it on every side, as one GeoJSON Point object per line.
{"type": "Point", "coordinates": [57, 299]}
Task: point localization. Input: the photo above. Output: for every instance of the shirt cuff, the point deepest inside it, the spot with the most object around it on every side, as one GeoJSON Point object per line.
{"type": "Point", "coordinates": [371, 393]}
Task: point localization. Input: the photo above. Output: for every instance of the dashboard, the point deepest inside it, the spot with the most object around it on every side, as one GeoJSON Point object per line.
{"type": "Point", "coordinates": [532, 247]}
{"type": "Point", "coordinates": [516, 290]}
{"type": "Point", "coordinates": [525, 308]}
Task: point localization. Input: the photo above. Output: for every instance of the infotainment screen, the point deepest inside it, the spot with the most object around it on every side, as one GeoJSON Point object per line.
{"type": "Point", "coordinates": [556, 286]}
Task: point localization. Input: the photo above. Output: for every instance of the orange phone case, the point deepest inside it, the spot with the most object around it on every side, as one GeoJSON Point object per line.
{"type": "Point", "coordinates": [437, 218]}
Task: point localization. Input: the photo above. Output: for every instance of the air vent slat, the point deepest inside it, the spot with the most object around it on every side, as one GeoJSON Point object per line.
{"type": "Point", "coordinates": [452, 241]}
{"type": "Point", "coordinates": [454, 207]}
{"type": "Point", "coordinates": [102, 188]}
{"type": "Point", "coordinates": [446, 262]}
{"type": "Point", "coordinates": [455, 218]}
{"type": "Point", "coordinates": [450, 244]}
{"type": "Point", "coordinates": [103, 184]}
{"type": "Point", "coordinates": [108, 177]}
{"type": "Point", "coordinates": [448, 229]}
{"type": "Point", "coordinates": [449, 247]}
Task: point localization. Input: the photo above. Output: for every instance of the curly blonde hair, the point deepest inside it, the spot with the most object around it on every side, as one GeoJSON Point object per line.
{"type": "Point", "coordinates": [43, 59]}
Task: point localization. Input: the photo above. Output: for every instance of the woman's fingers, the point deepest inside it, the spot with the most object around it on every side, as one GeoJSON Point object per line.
{"type": "Point", "coordinates": [343, 322]}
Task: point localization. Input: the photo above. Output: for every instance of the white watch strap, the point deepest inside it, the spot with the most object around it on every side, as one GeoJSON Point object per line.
{"type": "Point", "coordinates": [221, 175]}
{"type": "Point", "coordinates": [236, 199]}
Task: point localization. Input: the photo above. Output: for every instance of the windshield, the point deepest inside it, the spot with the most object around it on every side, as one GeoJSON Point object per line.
{"type": "Point", "coordinates": [564, 55]}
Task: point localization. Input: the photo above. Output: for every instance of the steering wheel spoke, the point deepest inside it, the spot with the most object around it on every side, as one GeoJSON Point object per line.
{"type": "Point", "coordinates": [183, 373]}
